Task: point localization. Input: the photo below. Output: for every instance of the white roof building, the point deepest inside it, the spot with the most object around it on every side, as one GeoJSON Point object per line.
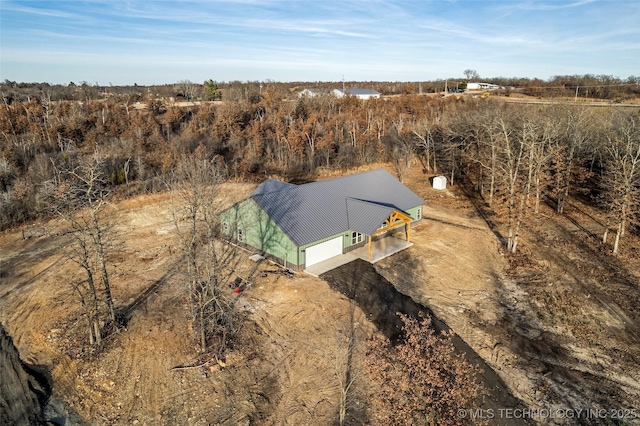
{"type": "Point", "coordinates": [358, 93]}
{"type": "Point", "coordinates": [483, 86]}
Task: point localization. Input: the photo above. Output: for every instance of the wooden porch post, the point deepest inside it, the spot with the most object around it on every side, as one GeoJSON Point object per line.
{"type": "Point", "coordinates": [369, 237]}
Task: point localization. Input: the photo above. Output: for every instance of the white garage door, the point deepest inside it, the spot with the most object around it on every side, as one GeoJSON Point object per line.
{"type": "Point", "coordinates": [323, 251]}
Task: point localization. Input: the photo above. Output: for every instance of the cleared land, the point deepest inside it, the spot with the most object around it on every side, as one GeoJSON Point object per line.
{"type": "Point", "coordinates": [559, 326]}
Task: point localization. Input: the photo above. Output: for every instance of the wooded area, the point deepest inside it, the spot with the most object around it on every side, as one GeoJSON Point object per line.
{"type": "Point", "coordinates": [515, 156]}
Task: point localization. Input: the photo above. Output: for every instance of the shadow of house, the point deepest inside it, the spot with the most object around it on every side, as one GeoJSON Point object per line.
{"type": "Point", "coordinates": [381, 302]}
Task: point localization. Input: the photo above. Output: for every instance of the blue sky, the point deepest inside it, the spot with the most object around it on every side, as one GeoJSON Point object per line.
{"type": "Point", "coordinates": [155, 42]}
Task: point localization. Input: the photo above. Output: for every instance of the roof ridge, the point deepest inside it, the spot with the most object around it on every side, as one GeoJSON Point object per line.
{"type": "Point", "coordinates": [344, 176]}
{"type": "Point", "coordinates": [280, 186]}
{"type": "Point", "coordinates": [261, 194]}
{"type": "Point", "coordinates": [366, 201]}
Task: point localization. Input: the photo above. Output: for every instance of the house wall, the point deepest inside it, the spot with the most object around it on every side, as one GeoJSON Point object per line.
{"type": "Point", "coordinates": [308, 93]}
{"type": "Point", "coordinates": [339, 94]}
{"type": "Point", "coordinates": [260, 232]}
{"type": "Point", "coordinates": [413, 212]}
{"type": "Point", "coordinates": [346, 236]}
{"type": "Point", "coordinates": [366, 97]}
{"type": "Point", "coordinates": [349, 247]}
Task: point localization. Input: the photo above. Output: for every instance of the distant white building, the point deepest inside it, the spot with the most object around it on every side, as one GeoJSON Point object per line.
{"type": "Point", "coordinates": [483, 86]}
{"type": "Point", "coordinates": [358, 93]}
{"type": "Point", "coordinates": [312, 93]}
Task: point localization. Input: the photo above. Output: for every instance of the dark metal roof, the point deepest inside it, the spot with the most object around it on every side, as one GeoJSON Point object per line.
{"type": "Point", "coordinates": [366, 217]}
{"type": "Point", "coordinates": [271, 185]}
{"type": "Point", "coordinates": [317, 210]}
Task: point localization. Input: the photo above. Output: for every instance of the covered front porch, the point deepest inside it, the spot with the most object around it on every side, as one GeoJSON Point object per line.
{"type": "Point", "coordinates": [380, 249]}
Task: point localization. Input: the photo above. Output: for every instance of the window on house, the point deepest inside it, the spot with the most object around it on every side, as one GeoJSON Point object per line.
{"type": "Point", "coordinates": [419, 214]}
{"type": "Point", "coordinates": [356, 238]}
{"type": "Point", "coordinates": [240, 234]}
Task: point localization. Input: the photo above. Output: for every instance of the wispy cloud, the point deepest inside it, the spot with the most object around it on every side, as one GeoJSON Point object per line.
{"type": "Point", "coordinates": [288, 39]}
{"type": "Point", "coordinates": [480, 35]}
{"type": "Point", "coordinates": [16, 8]}
{"type": "Point", "coordinates": [550, 6]}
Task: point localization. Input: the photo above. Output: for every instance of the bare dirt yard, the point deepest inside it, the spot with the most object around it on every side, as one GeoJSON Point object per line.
{"type": "Point", "coordinates": [282, 369]}
{"type": "Point", "coordinates": [559, 324]}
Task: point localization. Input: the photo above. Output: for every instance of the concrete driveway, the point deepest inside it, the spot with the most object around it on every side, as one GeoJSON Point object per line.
{"type": "Point", "coordinates": [380, 249]}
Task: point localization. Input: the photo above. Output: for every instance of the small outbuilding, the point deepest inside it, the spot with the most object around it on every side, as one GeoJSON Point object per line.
{"type": "Point", "coordinates": [301, 225]}
{"type": "Point", "coordinates": [439, 182]}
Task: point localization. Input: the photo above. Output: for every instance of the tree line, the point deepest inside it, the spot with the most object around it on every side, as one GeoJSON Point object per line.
{"type": "Point", "coordinates": [515, 155]}
{"type": "Point", "coordinates": [605, 87]}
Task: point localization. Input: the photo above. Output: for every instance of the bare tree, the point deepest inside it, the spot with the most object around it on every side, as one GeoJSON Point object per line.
{"type": "Point", "coordinates": [521, 158]}
{"type": "Point", "coordinates": [425, 144]}
{"type": "Point", "coordinates": [402, 155]}
{"type": "Point", "coordinates": [91, 193]}
{"type": "Point", "coordinates": [490, 161]}
{"type": "Point", "coordinates": [210, 262]}
{"type": "Point", "coordinates": [81, 201]}
{"type": "Point", "coordinates": [621, 181]}
{"type": "Point", "coordinates": [80, 253]}
{"type": "Point", "coordinates": [471, 74]}
{"type": "Point", "coordinates": [567, 150]}
{"type": "Point", "coordinates": [346, 372]}
{"type": "Point", "coordinates": [188, 89]}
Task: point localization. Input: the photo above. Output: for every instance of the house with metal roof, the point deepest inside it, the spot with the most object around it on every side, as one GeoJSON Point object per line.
{"type": "Point", "coordinates": [358, 93]}
{"type": "Point", "coordinates": [302, 225]}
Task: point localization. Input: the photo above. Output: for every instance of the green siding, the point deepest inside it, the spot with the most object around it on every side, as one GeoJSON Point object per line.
{"type": "Point", "coordinates": [347, 239]}
{"type": "Point", "coordinates": [413, 212]}
{"type": "Point", "coordinates": [259, 231]}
